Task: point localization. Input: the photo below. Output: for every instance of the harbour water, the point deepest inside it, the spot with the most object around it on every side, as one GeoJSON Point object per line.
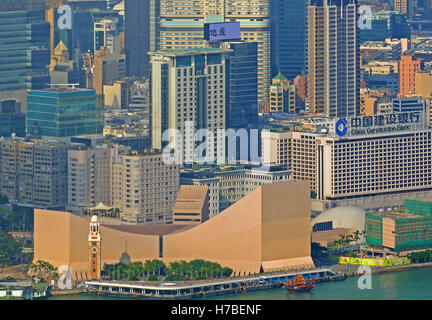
{"type": "Point", "coordinates": [414, 284]}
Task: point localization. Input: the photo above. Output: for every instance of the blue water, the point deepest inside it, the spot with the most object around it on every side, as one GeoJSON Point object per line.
{"type": "Point", "coordinates": [413, 284]}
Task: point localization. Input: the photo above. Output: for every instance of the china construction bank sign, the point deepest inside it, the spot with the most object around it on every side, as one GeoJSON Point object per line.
{"type": "Point", "coordinates": [365, 125]}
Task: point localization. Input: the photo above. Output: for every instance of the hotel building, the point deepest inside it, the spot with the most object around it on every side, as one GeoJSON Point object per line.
{"type": "Point", "coordinates": [188, 88]}
{"type": "Point", "coordinates": [371, 162]}
{"type": "Point", "coordinates": [144, 188]}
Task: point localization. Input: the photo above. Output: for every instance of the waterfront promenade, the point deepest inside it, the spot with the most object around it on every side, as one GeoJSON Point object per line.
{"type": "Point", "coordinates": [196, 289]}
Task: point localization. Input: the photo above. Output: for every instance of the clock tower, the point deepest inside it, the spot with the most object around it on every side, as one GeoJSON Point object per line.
{"type": "Point", "coordinates": [94, 240]}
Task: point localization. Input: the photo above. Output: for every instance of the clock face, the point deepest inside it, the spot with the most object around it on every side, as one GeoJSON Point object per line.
{"type": "Point", "coordinates": [94, 249]}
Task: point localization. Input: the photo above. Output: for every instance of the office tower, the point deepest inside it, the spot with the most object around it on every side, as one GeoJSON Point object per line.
{"type": "Point", "coordinates": [334, 66]}
{"type": "Point", "coordinates": [34, 173]}
{"type": "Point", "coordinates": [144, 188]}
{"type": "Point", "coordinates": [106, 34]}
{"type": "Point", "coordinates": [24, 51]}
{"type": "Point", "coordinates": [282, 95]}
{"type": "Point", "coordinates": [408, 66]}
{"type": "Point", "coordinates": [289, 37]}
{"type": "Point", "coordinates": [12, 120]}
{"type": "Point", "coordinates": [89, 175]}
{"type": "Point", "coordinates": [182, 26]}
{"type": "Point", "coordinates": [108, 68]}
{"type": "Point", "coordinates": [241, 85]}
{"type": "Point", "coordinates": [64, 112]}
{"type": "Point", "coordinates": [141, 35]}
{"type": "Point", "coordinates": [188, 88]}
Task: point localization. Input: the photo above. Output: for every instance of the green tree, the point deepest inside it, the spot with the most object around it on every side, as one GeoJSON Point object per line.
{"type": "Point", "coordinates": [4, 260]}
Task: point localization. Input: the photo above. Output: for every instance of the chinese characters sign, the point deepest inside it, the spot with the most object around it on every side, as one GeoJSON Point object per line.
{"type": "Point", "coordinates": [364, 125]}
{"type": "Point", "coordinates": [222, 31]}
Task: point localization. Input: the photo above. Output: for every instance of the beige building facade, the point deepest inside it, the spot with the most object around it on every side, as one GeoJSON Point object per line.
{"type": "Point", "coordinates": [34, 172]}
{"type": "Point", "coordinates": [144, 188]}
{"type": "Point", "coordinates": [268, 230]}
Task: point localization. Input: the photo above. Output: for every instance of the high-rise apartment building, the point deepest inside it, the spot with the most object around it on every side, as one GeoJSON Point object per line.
{"type": "Point", "coordinates": [64, 112]}
{"type": "Point", "coordinates": [334, 61]}
{"type": "Point", "coordinates": [34, 173]}
{"type": "Point", "coordinates": [408, 66]}
{"type": "Point", "coordinates": [188, 94]}
{"type": "Point", "coordinates": [289, 37]}
{"type": "Point", "coordinates": [144, 188]}
{"type": "Point", "coordinates": [182, 26]}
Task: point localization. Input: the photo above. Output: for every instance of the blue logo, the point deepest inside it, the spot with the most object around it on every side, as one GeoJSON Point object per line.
{"type": "Point", "coordinates": [342, 127]}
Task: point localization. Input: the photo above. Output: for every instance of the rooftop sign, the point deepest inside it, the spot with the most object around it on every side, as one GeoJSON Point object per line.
{"type": "Point", "coordinates": [222, 31]}
{"type": "Point", "coordinates": [394, 122]}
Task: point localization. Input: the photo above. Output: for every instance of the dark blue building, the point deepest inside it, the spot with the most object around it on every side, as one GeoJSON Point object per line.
{"type": "Point", "coordinates": [289, 37]}
{"type": "Point", "coordinates": [242, 85]}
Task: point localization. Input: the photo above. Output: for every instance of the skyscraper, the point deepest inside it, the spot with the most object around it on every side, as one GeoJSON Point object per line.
{"type": "Point", "coordinates": [24, 50]}
{"type": "Point", "coordinates": [188, 89]}
{"type": "Point", "coordinates": [334, 63]}
{"type": "Point", "coordinates": [182, 26]}
{"type": "Point", "coordinates": [289, 37]}
{"type": "Point", "coordinates": [242, 85]}
{"type": "Point", "coordinates": [141, 35]}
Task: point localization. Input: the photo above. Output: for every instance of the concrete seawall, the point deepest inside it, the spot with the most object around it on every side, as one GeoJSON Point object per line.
{"type": "Point", "coordinates": [351, 270]}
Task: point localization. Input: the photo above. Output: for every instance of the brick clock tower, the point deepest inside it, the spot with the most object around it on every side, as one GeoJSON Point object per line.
{"type": "Point", "coordinates": [94, 240]}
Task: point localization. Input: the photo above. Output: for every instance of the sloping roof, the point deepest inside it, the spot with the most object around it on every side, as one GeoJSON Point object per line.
{"type": "Point", "coordinates": [190, 198]}
{"type": "Point", "coordinates": [280, 76]}
{"type": "Point", "coordinates": [61, 47]}
{"type": "Point", "coordinates": [343, 217]}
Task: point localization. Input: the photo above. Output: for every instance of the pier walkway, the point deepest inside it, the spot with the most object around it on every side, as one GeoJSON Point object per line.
{"type": "Point", "coordinates": [195, 289]}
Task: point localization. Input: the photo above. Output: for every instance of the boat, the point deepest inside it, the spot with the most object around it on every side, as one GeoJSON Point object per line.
{"type": "Point", "coordinates": [300, 284]}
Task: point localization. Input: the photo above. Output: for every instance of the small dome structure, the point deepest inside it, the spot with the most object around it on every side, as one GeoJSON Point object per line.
{"type": "Point", "coordinates": [342, 217]}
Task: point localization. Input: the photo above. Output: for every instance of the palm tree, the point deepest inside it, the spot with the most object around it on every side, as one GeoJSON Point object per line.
{"type": "Point", "coordinates": [356, 236]}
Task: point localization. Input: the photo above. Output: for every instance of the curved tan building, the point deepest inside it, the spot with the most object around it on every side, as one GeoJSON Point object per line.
{"type": "Point", "coordinates": [267, 230]}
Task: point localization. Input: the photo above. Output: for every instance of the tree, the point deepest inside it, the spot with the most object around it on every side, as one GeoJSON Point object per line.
{"type": "Point", "coordinates": [356, 236]}
{"type": "Point", "coordinates": [4, 260]}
